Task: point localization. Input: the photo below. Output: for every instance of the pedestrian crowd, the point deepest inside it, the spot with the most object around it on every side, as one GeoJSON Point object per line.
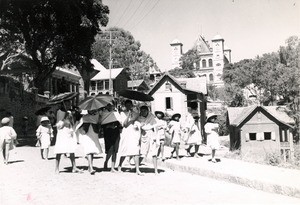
{"type": "Point", "coordinates": [129, 131]}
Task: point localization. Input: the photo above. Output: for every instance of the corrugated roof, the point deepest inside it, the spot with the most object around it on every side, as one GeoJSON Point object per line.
{"type": "Point", "coordinates": [97, 65]}
{"type": "Point", "coordinates": [103, 72]}
{"type": "Point", "coordinates": [134, 83]}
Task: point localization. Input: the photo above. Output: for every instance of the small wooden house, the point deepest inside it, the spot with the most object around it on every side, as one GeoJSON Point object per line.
{"type": "Point", "coordinates": [173, 95]}
{"type": "Point", "coordinates": [258, 130]}
{"type": "Point", "coordinates": [100, 82]}
{"type": "Point", "coordinates": [139, 85]}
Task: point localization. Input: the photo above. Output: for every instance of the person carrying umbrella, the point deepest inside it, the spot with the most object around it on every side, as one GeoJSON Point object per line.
{"type": "Point", "coordinates": [88, 127]}
{"type": "Point", "coordinates": [130, 136]}
{"type": "Point", "coordinates": [111, 125]}
{"type": "Point", "coordinates": [65, 142]}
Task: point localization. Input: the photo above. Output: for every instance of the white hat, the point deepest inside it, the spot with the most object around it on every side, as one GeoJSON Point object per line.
{"type": "Point", "coordinates": [44, 119]}
{"type": "Point", "coordinates": [210, 115]}
{"type": "Point", "coordinates": [5, 120]}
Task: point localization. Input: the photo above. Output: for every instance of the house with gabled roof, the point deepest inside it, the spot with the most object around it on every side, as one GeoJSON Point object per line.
{"type": "Point", "coordinates": [139, 85]}
{"type": "Point", "coordinates": [174, 95]}
{"type": "Point", "coordinates": [100, 82]}
{"type": "Point", "coordinates": [259, 130]}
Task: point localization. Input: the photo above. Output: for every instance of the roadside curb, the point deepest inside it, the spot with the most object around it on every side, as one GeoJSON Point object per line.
{"type": "Point", "coordinates": [219, 175]}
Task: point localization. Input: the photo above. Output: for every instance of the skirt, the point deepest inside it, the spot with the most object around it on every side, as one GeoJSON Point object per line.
{"type": "Point", "coordinates": [90, 142]}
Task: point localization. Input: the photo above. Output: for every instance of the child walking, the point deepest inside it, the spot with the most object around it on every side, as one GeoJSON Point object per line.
{"type": "Point", "coordinates": [44, 133]}
{"type": "Point", "coordinates": [7, 135]}
{"type": "Point", "coordinates": [175, 132]}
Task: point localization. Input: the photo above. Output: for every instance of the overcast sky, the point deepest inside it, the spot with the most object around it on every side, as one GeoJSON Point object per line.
{"type": "Point", "coordinates": [249, 27]}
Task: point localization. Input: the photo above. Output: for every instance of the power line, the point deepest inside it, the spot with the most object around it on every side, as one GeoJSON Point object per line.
{"type": "Point", "coordinates": [141, 2]}
{"type": "Point", "coordinates": [145, 15]}
{"type": "Point", "coordinates": [118, 6]}
{"type": "Point", "coordinates": [121, 17]}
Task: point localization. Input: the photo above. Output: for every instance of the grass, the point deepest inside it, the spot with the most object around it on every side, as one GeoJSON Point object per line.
{"type": "Point", "coordinates": [271, 158]}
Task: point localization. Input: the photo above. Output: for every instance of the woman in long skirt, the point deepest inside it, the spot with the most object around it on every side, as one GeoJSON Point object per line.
{"type": "Point", "coordinates": [130, 136]}
{"type": "Point", "coordinates": [88, 130]}
{"type": "Point", "coordinates": [66, 142]}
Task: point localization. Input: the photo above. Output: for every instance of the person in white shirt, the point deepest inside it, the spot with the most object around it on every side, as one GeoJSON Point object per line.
{"type": "Point", "coordinates": [7, 135]}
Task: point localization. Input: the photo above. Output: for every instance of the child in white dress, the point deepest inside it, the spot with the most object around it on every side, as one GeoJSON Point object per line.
{"type": "Point", "coordinates": [44, 133]}
{"type": "Point", "coordinates": [7, 135]}
{"type": "Point", "coordinates": [175, 131]}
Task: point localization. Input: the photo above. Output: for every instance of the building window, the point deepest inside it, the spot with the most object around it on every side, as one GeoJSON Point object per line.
{"type": "Point", "coordinates": [106, 84]}
{"type": "Point", "coordinates": [267, 135]}
{"type": "Point", "coordinates": [203, 63]}
{"type": "Point", "coordinates": [283, 135]}
{"type": "Point", "coordinates": [211, 77]}
{"type": "Point", "coordinates": [93, 85]}
{"type": "Point", "coordinates": [168, 86]}
{"type": "Point", "coordinates": [252, 136]}
{"type": "Point", "coordinates": [169, 103]}
{"type": "Point", "coordinates": [100, 85]}
{"type": "Point", "coordinates": [210, 63]}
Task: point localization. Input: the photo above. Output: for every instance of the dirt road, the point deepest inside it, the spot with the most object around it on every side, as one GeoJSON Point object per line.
{"type": "Point", "coordinates": [30, 180]}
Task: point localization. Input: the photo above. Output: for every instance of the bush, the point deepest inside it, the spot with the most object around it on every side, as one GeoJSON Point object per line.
{"type": "Point", "coordinates": [273, 158]}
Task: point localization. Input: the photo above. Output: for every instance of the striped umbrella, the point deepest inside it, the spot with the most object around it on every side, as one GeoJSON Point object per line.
{"type": "Point", "coordinates": [95, 102]}
{"type": "Point", "coordinates": [62, 97]}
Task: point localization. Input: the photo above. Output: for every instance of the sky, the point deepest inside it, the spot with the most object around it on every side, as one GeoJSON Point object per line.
{"type": "Point", "coordinates": [248, 27]}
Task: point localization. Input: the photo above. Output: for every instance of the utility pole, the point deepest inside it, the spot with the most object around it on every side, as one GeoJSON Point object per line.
{"type": "Point", "coordinates": [110, 65]}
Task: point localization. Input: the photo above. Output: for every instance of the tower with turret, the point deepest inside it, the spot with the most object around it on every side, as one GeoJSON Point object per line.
{"type": "Point", "coordinates": [176, 53]}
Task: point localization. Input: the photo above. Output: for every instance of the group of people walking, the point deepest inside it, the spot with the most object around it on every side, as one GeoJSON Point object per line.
{"type": "Point", "coordinates": [131, 131]}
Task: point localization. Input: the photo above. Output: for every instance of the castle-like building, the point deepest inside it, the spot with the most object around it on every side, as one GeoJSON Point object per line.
{"type": "Point", "coordinates": [212, 58]}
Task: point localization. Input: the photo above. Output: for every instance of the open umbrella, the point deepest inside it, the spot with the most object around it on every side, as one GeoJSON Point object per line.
{"type": "Point", "coordinates": [135, 95]}
{"type": "Point", "coordinates": [42, 111]}
{"type": "Point", "coordinates": [62, 97]}
{"type": "Point", "coordinates": [109, 117]}
{"type": "Point", "coordinates": [95, 102]}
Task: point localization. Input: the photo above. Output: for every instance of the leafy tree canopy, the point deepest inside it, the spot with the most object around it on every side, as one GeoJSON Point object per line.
{"type": "Point", "coordinates": [126, 53]}
{"type": "Point", "coordinates": [48, 34]}
{"type": "Point", "coordinates": [182, 73]}
{"type": "Point", "coordinates": [189, 59]}
{"type": "Point", "coordinates": [269, 77]}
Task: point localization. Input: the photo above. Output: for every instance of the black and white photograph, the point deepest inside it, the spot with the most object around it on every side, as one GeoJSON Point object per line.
{"type": "Point", "coordinates": [149, 102]}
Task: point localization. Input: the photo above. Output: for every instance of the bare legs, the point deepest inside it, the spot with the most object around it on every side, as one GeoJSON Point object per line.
{"type": "Point", "coordinates": [154, 158]}
{"type": "Point", "coordinates": [111, 153]}
{"type": "Point", "coordinates": [213, 153]}
{"type": "Point", "coordinates": [90, 158]}
{"type": "Point", "coordinates": [176, 149]}
{"type": "Point", "coordinates": [161, 151]}
{"type": "Point", "coordinates": [72, 158]}
{"type": "Point", "coordinates": [136, 162]}
{"type": "Point", "coordinates": [6, 153]}
{"type": "Point", "coordinates": [45, 153]}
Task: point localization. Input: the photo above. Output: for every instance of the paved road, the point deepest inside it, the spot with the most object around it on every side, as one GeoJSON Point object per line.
{"type": "Point", "coordinates": [30, 180]}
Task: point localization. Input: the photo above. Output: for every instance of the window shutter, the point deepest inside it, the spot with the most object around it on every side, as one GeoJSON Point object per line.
{"type": "Point", "coordinates": [247, 137]}
{"type": "Point", "coordinates": [273, 136]}
{"type": "Point", "coordinates": [260, 136]}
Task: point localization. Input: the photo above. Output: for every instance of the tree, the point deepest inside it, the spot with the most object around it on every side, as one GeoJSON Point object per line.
{"type": "Point", "coordinates": [49, 34]}
{"type": "Point", "coordinates": [189, 59]}
{"type": "Point", "coordinates": [272, 78]}
{"type": "Point", "coordinates": [126, 52]}
{"type": "Point", "coordinates": [182, 73]}
{"type": "Point", "coordinates": [269, 77]}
